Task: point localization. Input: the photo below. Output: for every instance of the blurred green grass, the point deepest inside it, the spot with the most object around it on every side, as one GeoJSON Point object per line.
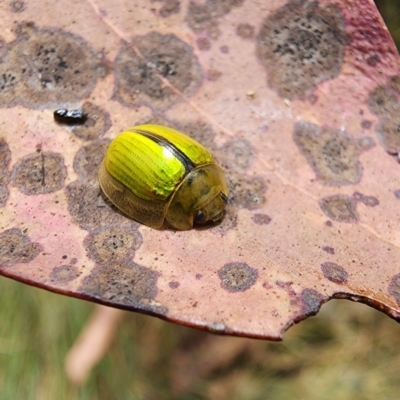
{"type": "Point", "coordinates": [348, 351]}
{"type": "Point", "coordinates": [390, 11]}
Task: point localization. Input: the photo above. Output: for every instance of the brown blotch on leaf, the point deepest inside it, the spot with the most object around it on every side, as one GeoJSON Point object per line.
{"type": "Point", "coordinates": [113, 244]}
{"type": "Point", "coordinates": [245, 31]}
{"type": "Point", "coordinates": [170, 7]}
{"type": "Point", "coordinates": [203, 44]}
{"type": "Point", "coordinates": [369, 201]}
{"type": "Point", "coordinates": [339, 208]}
{"type": "Point", "coordinates": [300, 45]}
{"type": "Point", "coordinates": [89, 158]}
{"type": "Point", "coordinates": [127, 284]}
{"type": "Point", "coordinates": [365, 124]}
{"type": "Point", "coordinates": [237, 276]}
{"type": "Point", "coordinates": [64, 273]}
{"type": "Point", "coordinates": [16, 248]}
{"type": "Point", "coordinates": [394, 288]}
{"type": "Point", "coordinates": [5, 158]}
{"type": "Point", "coordinates": [46, 66]}
{"type": "Point", "coordinates": [311, 300]}
{"type": "Point", "coordinates": [328, 249]}
{"type": "Point", "coordinates": [332, 155]}
{"type": "Point", "coordinates": [4, 193]}
{"type": "Point", "coordinates": [173, 284]}
{"type": "Point", "coordinates": [388, 132]}
{"type": "Point", "coordinates": [89, 208]}
{"type": "Point", "coordinates": [261, 219]}
{"type": "Point", "coordinates": [17, 6]}
{"type": "Point", "coordinates": [224, 49]}
{"type": "Point", "coordinates": [237, 154]}
{"type": "Point", "coordinates": [204, 17]}
{"type": "Point", "coordinates": [39, 173]}
{"type": "Point", "coordinates": [365, 143]}
{"type": "Point", "coordinates": [384, 102]}
{"type": "Point", "coordinates": [97, 123]}
{"type": "Point", "coordinates": [213, 75]}
{"type": "Point", "coordinates": [383, 99]}
{"type": "Point", "coordinates": [247, 192]}
{"type": "Point", "coordinates": [334, 272]}
{"type": "Point", "coordinates": [138, 79]}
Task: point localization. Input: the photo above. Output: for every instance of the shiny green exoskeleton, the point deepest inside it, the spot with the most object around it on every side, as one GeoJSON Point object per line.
{"type": "Point", "coordinates": [153, 173]}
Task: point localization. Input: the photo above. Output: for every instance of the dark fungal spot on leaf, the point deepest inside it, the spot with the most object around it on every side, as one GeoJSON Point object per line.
{"type": "Point", "coordinates": [332, 155]}
{"type": "Point", "coordinates": [113, 244]}
{"type": "Point", "coordinates": [365, 124]}
{"type": "Point", "coordinates": [46, 66]}
{"type": "Point", "coordinates": [173, 284]}
{"type": "Point", "coordinates": [388, 132]}
{"type": "Point", "coordinates": [366, 143]}
{"type": "Point", "coordinates": [39, 173]}
{"type": "Point", "coordinates": [17, 6]}
{"type": "Point", "coordinates": [369, 201]}
{"type": "Point", "coordinates": [16, 248]}
{"type": "Point", "coordinates": [394, 288]}
{"type": "Point", "coordinates": [237, 154]}
{"type": "Point", "coordinates": [89, 158]}
{"type": "Point", "coordinates": [237, 276]}
{"type": "Point", "coordinates": [248, 192]}
{"type": "Point", "coordinates": [213, 75]}
{"type": "Point", "coordinates": [138, 80]}
{"type": "Point", "coordinates": [334, 272]}
{"type": "Point", "coordinates": [170, 7]}
{"type": "Point", "coordinates": [124, 284]}
{"type": "Point", "coordinates": [245, 31]}
{"type": "Point", "coordinates": [98, 122]}
{"type": "Point", "coordinates": [328, 249]}
{"type": "Point", "coordinates": [5, 159]}
{"type": "Point", "coordinates": [204, 16]}
{"type": "Point", "coordinates": [339, 208]}
{"type": "Point", "coordinates": [373, 60]}
{"type": "Point", "coordinates": [89, 208]}
{"type": "Point", "coordinates": [203, 44]}
{"type": "Point", "coordinates": [224, 49]}
{"type": "Point", "coordinates": [64, 273]}
{"type": "Point", "coordinates": [261, 219]}
{"type": "Point", "coordinates": [199, 17]}
{"type": "Point", "coordinates": [300, 45]}
{"type": "Point", "coordinates": [4, 193]}
{"type": "Point", "coordinates": [311, 300]}
{"type": "Point", "coordinates": [384, 102]}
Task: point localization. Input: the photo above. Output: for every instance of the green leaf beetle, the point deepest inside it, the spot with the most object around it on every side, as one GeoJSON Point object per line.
{"type": "Point", "coordinates": [153, 173]}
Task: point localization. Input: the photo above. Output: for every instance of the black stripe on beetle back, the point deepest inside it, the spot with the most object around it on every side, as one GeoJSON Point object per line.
{"type": "Point", "coordinates": [182, 157]}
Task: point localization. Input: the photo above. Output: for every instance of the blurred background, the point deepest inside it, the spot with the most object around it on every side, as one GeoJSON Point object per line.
{"type": "Point", "coordinates": [348, 351]}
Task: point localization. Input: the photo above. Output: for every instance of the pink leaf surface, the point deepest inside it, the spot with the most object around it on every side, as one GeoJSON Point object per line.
{"type": "Point", "coordinates": [299, 102]}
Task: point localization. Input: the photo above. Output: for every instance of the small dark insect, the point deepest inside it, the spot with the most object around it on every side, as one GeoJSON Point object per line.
{"type": "Point", "coordinates": [70, 116]}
